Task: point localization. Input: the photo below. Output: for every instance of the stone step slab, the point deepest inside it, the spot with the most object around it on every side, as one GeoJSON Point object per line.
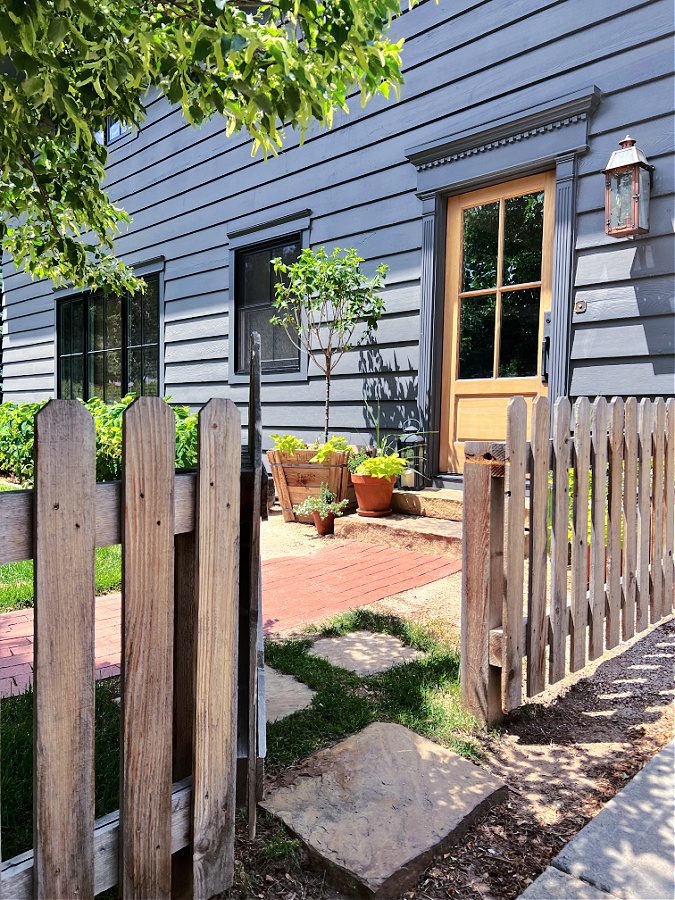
{"type": "Point", "coordinates": [284, 695]}
{"type": "Point", "coordinates": [434, 503]}
{"type": "Point", "coordinates": [441, 537]}
{"type": "Point", "coordinates": [376, 808]}
{"type": "Point", "coordinates": [364, 652]}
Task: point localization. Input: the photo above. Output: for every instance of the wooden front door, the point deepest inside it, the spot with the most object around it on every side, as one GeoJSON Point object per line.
{"type": "Point", "coordinates": [498, 289]}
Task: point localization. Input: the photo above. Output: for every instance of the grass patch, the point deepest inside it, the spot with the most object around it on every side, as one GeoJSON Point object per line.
{"type": "Point", "coordinates": [16, 579]}
{"type": "Point", "coordinates": [16, 775]}
{"type": "Point", "coordinates": [422, 695]}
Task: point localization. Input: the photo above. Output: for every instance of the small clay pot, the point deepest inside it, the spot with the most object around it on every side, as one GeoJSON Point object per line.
{"type": "Point", "coordinates": [373, 495]}
{"type": "Point", "coordinates": [324, 526]}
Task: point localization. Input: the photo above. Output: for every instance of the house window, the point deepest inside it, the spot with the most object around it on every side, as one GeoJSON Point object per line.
{"type": "Point", "coordinates": [254, 296]}
{"type": "Point", "coordinates": [109, 346]}
{"type": "Point", "coordinates": [114, 130]}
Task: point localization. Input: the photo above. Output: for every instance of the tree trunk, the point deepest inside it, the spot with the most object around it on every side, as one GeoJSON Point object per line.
{"type": "Point", "coordinates": [327, 409]}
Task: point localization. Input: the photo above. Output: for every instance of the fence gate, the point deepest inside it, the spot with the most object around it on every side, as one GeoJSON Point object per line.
{"type": "Point", "coordinates": [180, 536]}
{"type": "Point", "coordinates": [551, 585]}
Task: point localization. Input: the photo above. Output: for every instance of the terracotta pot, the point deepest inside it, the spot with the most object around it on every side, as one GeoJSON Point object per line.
{"type": "Point", "coordinates": [373, 495]}
{"type": "Point", "coordinates": [324, 526]}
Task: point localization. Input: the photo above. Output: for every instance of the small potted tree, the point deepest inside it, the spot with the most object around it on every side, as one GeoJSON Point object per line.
{"type": "Point", "coordinates": [326, 306]}
{"type": "Point", "coordinates": [323, 510]}
{"type": "Point", "coordinates": [374, 478]}
{"type": "Point", "coordinates": [321, 302]}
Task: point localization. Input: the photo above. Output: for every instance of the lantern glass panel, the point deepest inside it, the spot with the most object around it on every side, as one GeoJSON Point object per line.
{"type": "Point", "coordinates": [621, 199]}
{"type": "Point", "coordinates": [643, 215]}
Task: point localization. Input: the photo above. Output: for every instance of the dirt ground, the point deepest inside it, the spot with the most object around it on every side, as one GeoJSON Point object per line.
{"type": "Point", "coordinates": [563, 757]}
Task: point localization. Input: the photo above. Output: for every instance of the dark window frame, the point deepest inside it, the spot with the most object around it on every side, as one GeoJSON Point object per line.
{"type": "Point", "coordinates": [125, 347]}
{"type": "Point", "coordinates": [248, 233]}
{"type": "Point", "coordinates": [125, 131]}
{"type": "Point", "coordinates": [241, 365]}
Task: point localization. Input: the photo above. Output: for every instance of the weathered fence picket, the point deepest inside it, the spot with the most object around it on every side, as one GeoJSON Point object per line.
{"type": "Point", "coordinates": [181, 676]}
{"type": "Point", "coordinates": [600, 567]}
{"type": "Point", "coordinates": [148, 455]}
{"type": "Point", "coordinates": [65, 483]}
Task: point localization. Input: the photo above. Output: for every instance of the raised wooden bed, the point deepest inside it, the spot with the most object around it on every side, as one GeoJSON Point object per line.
{"type": "Point", "coordinates": [296, 478]}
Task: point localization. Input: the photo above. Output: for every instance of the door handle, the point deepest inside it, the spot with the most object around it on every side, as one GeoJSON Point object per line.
{"type": "Point", "coordinates": [546, 348]}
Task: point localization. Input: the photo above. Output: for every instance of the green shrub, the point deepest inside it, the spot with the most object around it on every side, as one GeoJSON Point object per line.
{"type": "Point", "coordinates": [16, 438]}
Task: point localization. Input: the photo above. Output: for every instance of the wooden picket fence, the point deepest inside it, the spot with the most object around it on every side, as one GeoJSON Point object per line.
{"type": "Point", "coordinates": [181, 672]}
{"type": "Point", "coordinates": [553, 584]}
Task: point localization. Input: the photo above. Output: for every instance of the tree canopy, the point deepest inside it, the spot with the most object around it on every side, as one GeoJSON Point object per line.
{"type": "Point", "coordinates": [68, 65]}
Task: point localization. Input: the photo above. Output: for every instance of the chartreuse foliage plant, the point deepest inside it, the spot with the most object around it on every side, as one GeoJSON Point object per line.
{"type": "Point", "coordinates": [16, 438]}
{"type": "Point", "coordinates": [326, 450]}
{"type": "Point", "coordinates": [289, 443]}
{"type": "Point", "coordinates": [321, 300]}
{"type": "Point", "coordinates": [388, 465]}
{"type": "Point", "coordinates": [68, 65]}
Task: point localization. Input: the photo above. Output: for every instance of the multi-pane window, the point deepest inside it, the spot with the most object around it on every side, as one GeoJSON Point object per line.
{"type": "Point", "coordinates": [109, 346]}
{"type": "Point", "coordinates": [501, 287]}
{"type": "Point", "coordinates": [115, 129]}
{"type": "Point", "coordinates": [255, 281]}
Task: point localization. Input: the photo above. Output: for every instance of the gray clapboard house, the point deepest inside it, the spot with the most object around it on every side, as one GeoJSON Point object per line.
{"type": "Point", "coordinates": [482, 188]}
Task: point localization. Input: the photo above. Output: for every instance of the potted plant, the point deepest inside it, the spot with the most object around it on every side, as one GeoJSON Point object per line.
{"type": "Point", "coordinates": [323, 510]}
{"type": "Point", "coordinates": [374, 478]}
{"type": "Point", "coordinates": [299, 470]}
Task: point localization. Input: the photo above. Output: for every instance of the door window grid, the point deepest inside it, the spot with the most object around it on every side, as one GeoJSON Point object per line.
{"type": "Point", "coordinates": [96, 356]}
{"type": "Point", "coordinates": [495, 274]}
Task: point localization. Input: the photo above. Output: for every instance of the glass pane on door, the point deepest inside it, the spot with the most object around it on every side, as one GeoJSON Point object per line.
{"type": "Point", "coordinates": [523, 232]}
{"type": "Point", "coordinates": [477, 336]}
{"type": "Point", "coordinates": [480, 243]}
{"type": "Point", "coordinates": [519, 335]}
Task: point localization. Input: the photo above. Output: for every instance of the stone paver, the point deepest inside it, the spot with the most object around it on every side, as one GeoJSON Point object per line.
{"type": "Point", "coordinates": [412, 534]}
{"type": "Point", "coordinates": [629, 847]}
{"type": "Point", "coordinates": [284, 695]}
{"type": "Point", "coordinates": [553, 884]}
{"type": "Point", "coordinates": [296, 590]}
{"type": "Point", "coordinates": [627, 850]}
{"type": "Point", "coordinates": [375, 808]}
{"type": "Point", "coordinates": [364, 652]}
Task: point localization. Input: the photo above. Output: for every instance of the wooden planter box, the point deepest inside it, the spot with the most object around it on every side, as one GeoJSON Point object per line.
{"type": "Point", "coordinates": [296, 478]}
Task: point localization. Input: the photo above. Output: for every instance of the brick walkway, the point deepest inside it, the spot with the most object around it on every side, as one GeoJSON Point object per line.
{"type": "Point", "coordinates": [296, 590]}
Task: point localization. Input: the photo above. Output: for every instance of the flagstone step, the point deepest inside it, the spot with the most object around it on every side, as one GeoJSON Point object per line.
{"type": "Point", "coordinates": [434, 503]}
{"type": "Point", "coordinates": [442, 537]}
{"type": "Point", "coordinates": [376, 808]}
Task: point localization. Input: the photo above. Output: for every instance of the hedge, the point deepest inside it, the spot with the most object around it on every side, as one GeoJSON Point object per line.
{"type": "Point", "coordinates": [16, 438]}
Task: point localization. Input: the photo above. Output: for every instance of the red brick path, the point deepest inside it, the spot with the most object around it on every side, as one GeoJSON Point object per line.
{"type": "Point", "coordinates": [296, 590]}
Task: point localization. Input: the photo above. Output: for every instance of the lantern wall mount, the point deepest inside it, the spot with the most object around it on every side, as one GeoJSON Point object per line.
{"type": "Point", "coordinates": [628, 181]}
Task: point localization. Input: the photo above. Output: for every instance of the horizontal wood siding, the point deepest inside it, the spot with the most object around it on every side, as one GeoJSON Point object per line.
{"type": "Point", "coordinates": [465, 64]}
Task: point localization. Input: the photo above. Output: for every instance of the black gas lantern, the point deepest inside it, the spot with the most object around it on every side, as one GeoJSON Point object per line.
{"type": "Point", "coordinates": [412, 447]}
{"type": "Point", "coordinates": [628, 178]}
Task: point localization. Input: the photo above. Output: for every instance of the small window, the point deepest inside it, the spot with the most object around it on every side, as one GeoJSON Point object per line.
{"type": "Point", "coordinates": [255, 280]}
{"type": "Point", "coordinates": [109, 346]}
{"type": "Point", "coordinates": [115, 129]}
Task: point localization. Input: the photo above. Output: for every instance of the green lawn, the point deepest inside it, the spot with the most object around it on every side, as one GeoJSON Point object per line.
{"type": "Point", "coordinates": [16, 579]}
{"type": "Point", "coordinates": [423, 695]}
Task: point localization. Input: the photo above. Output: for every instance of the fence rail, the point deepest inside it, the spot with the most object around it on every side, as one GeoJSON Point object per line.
{"type": "Point", "coordinates": [550, 586]}
{"type": "Point", "coordinates": [180, 537]}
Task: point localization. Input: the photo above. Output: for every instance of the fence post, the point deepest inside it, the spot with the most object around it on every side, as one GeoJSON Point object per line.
{"type": "Point", "coordinates": [482, 578]}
